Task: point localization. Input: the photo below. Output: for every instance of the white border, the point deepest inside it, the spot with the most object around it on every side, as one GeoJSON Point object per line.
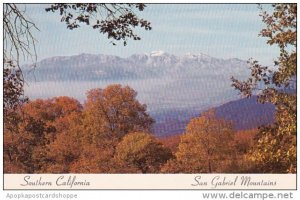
{"type": "Point", "coordinates": [174, 195]}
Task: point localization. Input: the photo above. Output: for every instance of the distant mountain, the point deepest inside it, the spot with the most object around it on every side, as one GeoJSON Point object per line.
{"type": "Point", "coordinates": [174, 88]}
{"type": "Point", "coordinates": [172, 122]}
{"type": "Point", "coordinates": [243, 113]}
{"type": "Point", "coordinates": [247, 113]}
{"type": "Point", "coordinates": [89, 67]}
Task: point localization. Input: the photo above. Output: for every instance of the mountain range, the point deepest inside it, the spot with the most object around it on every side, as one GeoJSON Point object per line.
{"type": "Point", "coordinates": [157, 64]}
{"type": "Point", "coordinates": [174, 88]}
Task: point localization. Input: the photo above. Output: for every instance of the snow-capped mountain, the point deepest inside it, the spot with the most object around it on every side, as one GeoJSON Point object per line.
{"type": "Point", "coordinates": [174, 88]}
{"type": "Point", "coordinates": [89, 67]}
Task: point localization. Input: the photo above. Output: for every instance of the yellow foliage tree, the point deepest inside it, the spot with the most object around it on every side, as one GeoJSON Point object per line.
{"type": "Point", "coordinates": [275, 148]}
{"type": "Point", "coordinates": [207, 146]}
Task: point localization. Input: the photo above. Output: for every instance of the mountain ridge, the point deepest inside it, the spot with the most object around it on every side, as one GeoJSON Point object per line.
{"type": "Point", "coordinates": [101, 66]}
{"type": "Point", "coordinates": [169, 85]}
{"type": "Point", "coordinates": [253, 115]}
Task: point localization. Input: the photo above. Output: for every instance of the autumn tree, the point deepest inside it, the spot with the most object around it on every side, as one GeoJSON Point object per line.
{"type": "Point", "coordinates": [66, 147]}
{"type": "Point", "coordinates": [41, 122]}
{"type": "Point", "coordinates": [171, 142]}
{"type": "Point", "coordinates": [113, 112]}
{"type": "Point", "coordinates": [109, 114]}
{"type": "Point", "coordinates": [16, 151]}
{"type": "Point", "coordinates": [117, 21]}
{"type": "Point", "coordinates": [142, 151]}
{"type": "Point", "coordinates": [244, 140]}
{"type": "Point", "coordinates": [275, 148]}
{"type": "Point", "coordinates": [53, 112]}
{"type": "Point", "coordinates": [96, 159]}
{"type": "Point", "coordinates": [20, 144]}
{"type": "Point", "coordinates": [93, 159]}
{"type": "Point", "coordinates": [62, 117]}
{"type": "Point", "coordinates": [207, 146]}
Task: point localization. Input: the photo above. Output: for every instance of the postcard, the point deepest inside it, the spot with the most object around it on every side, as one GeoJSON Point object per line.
{"type": "Point", "coordinates": [141, 96]}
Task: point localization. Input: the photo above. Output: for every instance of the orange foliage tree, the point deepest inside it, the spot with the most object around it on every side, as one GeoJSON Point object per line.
{"type": "Point", "coordinates": [171, 142]}
{"type": "Point", "coordinates": [244, 142]}
{"type": "Point", "coordinates": [115, 111]}
{"type": "Point", "coordinates": [109, 114]}
{"type": "Point", "coordinates": [205, 147]}
{"type": "Point", "coordinates": [42, 120]}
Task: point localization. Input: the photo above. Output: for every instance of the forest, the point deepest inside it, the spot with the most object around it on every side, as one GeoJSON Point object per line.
{"type": "Point", "coordinates": [111, 132]}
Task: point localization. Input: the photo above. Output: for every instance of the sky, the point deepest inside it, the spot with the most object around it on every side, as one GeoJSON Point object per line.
{"type": "Point", "coordinates": [219, 30]}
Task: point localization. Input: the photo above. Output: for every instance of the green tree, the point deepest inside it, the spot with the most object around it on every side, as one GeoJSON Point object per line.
{"type": "Point", "coordinates": [275, 148]}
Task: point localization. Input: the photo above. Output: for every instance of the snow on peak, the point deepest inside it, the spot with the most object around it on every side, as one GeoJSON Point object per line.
{"type": "Point", "coordinates": [196, 56]}
{"type": "Point", "coordinates": [157, 53]}
{"type": "Point", "coordinates": [189, 55]}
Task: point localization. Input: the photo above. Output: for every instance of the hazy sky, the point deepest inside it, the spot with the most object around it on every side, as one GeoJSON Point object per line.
{"type": "Point", "coordinates": [219, 30]}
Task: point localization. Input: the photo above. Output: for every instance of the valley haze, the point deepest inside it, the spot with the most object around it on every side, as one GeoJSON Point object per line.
{"type": "Point", "coordinates": [174, 88]}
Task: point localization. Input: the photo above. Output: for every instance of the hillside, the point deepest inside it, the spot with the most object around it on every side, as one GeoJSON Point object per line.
{"type": "Point", "coordinates": [244, 113]}
{"type": "Point", "coordinates": [247, 113]}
